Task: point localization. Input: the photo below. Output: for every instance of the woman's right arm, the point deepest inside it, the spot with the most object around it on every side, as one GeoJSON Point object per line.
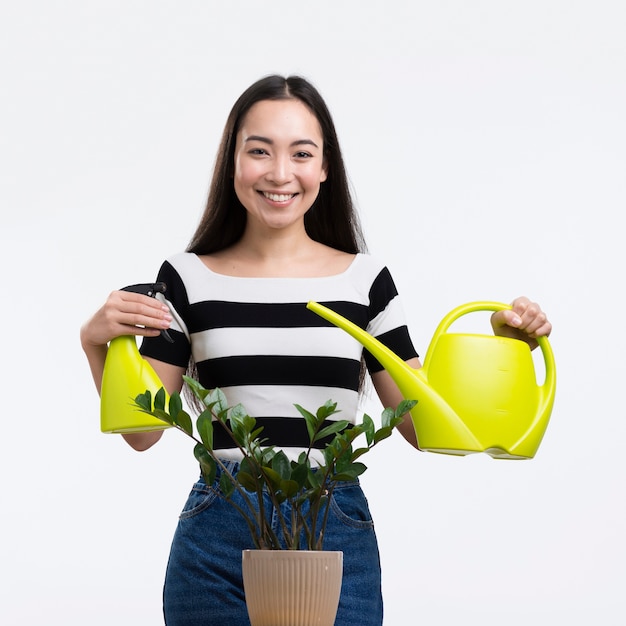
{"type": "Point", "coordinates": [128, 313]}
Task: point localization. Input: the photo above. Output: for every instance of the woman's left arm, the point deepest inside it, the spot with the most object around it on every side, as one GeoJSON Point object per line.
{"type": "Point", "coordinates": [525, 321]}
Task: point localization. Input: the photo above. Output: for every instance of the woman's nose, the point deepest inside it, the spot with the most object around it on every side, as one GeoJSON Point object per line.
{"type": "Point", "coordinates": [280, 172]}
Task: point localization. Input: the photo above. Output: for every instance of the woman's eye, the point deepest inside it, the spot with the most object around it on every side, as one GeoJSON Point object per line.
{"type": "Point", "coordinates": [257, 151]}
{"type": "Point", "coordinates": [302, 155]}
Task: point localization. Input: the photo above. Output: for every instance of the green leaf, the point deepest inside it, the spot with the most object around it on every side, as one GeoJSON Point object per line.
{"type": "Point", "coordinates": [315, 479]}
{"type": "Point", "coordinates": [299, 473]}
{"type": "Point", "coordinates": [350, 473]}
{"type": "Point", "coordinates": [176, 404]}
{"type": "Point", "coordinates": [309, 419]}
{"type": "Point", "coordinates": [359, 452]}
{"type": "Point", "coordinates": [226, 485]}
{"type": "Point", "coordinates": [249, 467]}
{"type": "Point", "coordinates": [386, 416]}
{"type": "Point", "coordinates": [159, 399]}
{"type": "Point", "coordinates": [369, 428]}
{"type": "Point", "coordinates": [197, 389]}
{"type": "Point", "coordinates": [183, 420]}
{"type": "Point", "coordinates": [396, 421]}
{"type": "Point", "coordinates": [204, 424]}
{"type": "Point", "coordinates": [331, 429]}
{"type": "Point", "coordinates": [246, 481]}
{"type": "Point", "coordinates": [241, 425]}
{"type": "Point", "coordinates": [352, 433]}
{"type": "Point", "coordinates": [237, 412]}
{"type": "Point", "coordinates": [289, 488]}
{"type": "Point", "coordinates": [272, 476]}
{"type": "Point", "coordinates": [207, 464]}
{"type": "Point", "coordinates": [162, 415]}
{"type": "Point", "coordinates": [404, 407]}
{"type": "Point", "coordinates": [267, 455]}
{"type": "Point", "coordinates": [217, 401]}
{"type": "Point", "coordinates": [255, 433]}
{"type": "Point", "coordinates": [329, 454]}
{"type": "Point", "coordinates": [281, 465]}
{"type": "Point", "coordinates": [343, 462]}
{"type": "Point", "coordinates": [242, 432]}
{"type": "Point", "coordinates": [383, 433]}
{"type": "Point", "coordinates": [144, 401]}
{"type": "Point", "coordinates": [326, 410]}
{"type": "Point", "coordinates": [249, 424]}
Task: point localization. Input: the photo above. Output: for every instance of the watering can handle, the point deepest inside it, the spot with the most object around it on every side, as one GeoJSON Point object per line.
{"type": "Point", "coordinates": [472, 307]}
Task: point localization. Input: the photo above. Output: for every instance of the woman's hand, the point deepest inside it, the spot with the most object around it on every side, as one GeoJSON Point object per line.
{"type": "Point", "coordinates": [129, 313]}
{"type": "Point", "coordinates": [125, 313]}
{"type": "Point", "coordinates": [525, 321]}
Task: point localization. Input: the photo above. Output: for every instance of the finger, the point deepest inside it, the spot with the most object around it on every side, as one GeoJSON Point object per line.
{"type": "Point", "coordinates": [539, 327]}
{"type": "Point", "coordinates": [507, 317]}
{"type": "Point", "coordinates": [136, 310]}
{"type": "Point", "coordinates": [131, 301]}
{"type": "Point", "coordinates": [520, 305]}
{"type": "Point", "coordinates": [534, 321]}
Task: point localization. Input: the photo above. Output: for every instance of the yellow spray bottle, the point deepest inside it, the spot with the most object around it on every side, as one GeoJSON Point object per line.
{"type": "Point", "coordinates": [126, 375]}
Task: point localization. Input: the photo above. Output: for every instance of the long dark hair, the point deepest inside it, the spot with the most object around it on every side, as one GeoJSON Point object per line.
{"type": "Point", "coordinates": [332, 220]}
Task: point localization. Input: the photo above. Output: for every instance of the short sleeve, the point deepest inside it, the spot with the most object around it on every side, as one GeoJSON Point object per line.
{"type": "Point", "coordinates": [387, 321]}
{"type": "Point", "coordinates": [178, 351]}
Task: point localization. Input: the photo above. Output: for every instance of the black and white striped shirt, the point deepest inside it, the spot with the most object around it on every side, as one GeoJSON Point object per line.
{"type": "Point", "coordinates": [255, 339]}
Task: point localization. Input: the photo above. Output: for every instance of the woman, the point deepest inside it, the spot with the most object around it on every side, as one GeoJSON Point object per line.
{"type": "Point", "coordinates": [279, 230]}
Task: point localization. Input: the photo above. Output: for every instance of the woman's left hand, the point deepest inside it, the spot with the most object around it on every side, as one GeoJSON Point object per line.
{"type": "Point", "coordinates": [525, 321]}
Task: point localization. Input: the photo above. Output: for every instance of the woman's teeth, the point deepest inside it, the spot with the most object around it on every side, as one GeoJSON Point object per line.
{"type": "Point", "coordinates": [278, 197]}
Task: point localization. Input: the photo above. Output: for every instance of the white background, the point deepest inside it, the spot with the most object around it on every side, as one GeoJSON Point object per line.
{"type": "Point", "coordinates": [485, 141]}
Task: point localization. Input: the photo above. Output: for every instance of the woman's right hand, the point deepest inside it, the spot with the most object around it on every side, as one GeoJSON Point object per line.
{"type": "Point", "coordinates": [125, 313]}
{"type": "Point", "coordinates": [129, 313]}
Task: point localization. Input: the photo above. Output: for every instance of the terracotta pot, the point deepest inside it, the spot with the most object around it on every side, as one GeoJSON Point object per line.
{"type": "Point", "coordinates": [292, 587]}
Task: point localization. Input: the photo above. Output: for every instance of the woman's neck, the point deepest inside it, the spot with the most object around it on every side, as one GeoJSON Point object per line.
{"type": "Point", "coordinates": [278, 257]}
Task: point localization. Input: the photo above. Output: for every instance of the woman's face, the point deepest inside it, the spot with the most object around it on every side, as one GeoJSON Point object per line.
{"type": "Point", "coordinates": [279, 163]}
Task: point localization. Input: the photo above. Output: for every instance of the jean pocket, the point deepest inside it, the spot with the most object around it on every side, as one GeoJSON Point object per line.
{"type": "Point", "coordinates": [200, 498]}
{"type": "Point", "coordinates": [349, 504]}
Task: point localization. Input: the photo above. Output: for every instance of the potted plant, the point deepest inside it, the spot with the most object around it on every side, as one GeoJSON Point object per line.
{"type": "Point", "coordinates": [266, 470]}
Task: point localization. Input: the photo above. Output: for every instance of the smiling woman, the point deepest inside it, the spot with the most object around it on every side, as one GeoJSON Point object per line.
{"type": "Point", "coordinates": [279, 230]}
{"type": "Point", "coordinates": [333, 219]}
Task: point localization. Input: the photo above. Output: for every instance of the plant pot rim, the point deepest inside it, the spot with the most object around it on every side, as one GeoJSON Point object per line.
{"type": "Point", "coordinates": [253, 552]}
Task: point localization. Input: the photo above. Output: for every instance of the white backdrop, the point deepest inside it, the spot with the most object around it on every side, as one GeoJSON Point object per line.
{"type": "Point", "coordinates": [485, 141]}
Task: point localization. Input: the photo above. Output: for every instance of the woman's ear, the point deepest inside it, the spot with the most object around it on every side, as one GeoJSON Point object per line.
{"type": "Point", "coordinates": [324, 174]}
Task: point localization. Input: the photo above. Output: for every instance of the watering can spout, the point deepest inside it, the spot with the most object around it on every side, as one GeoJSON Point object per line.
{"type": "Point", "coordinates": [475, 393]}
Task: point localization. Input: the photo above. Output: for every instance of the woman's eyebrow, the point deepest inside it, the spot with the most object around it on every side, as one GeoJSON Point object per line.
{"type": "Point", "coordinates": [267, 140]}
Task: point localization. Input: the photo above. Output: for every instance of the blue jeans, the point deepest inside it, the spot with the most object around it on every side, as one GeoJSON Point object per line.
{"type": "Point", "coordinates": [203, 584]}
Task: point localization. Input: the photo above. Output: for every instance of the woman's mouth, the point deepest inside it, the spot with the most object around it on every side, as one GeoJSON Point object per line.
{"type": "Point", "coordinates": [278, 197]}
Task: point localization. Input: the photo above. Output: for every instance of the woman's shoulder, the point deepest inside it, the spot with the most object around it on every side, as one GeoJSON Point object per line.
{"type": "Point", "coordinates": [337, 262]}
{"type": "Point", "coordinates": [183, 261]}
{"type": "Point", "coordinates": [366, 264]}
{"type": "Point", "coordinates": [182, 267]}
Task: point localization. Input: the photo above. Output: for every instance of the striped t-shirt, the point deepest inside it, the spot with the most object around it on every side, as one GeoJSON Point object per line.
{"type": "Point", "coordinates": [255, 339]}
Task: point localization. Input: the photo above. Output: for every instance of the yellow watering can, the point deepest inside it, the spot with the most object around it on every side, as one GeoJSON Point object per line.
{"type": "Point", "coordinates": [126, 375]}
{"type": "Point", "coordinates": [475, 393]}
